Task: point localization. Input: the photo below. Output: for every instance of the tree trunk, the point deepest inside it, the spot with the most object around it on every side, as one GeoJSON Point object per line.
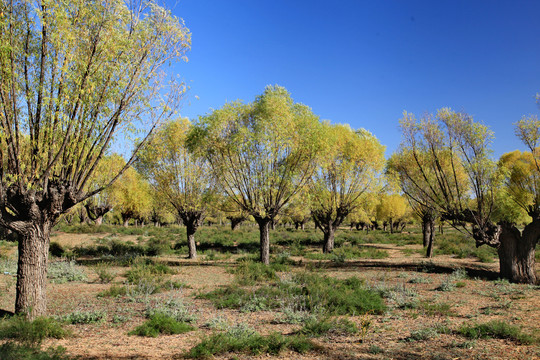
{"type": "Point", "coordinates": [391, 226]}
{"type": "Point", "coordinates": [329, 234]}
{"type": "Point", "coordinates": [264, 229]}
{"type": "Point", "coordinates": [99, 220]}
{"type": "Point", "coordinates": [32, 271]}
{"type": "Point", "coordinates": [126, 222]}
{"type": "Point", "coordinates": [430, 230]}
{"type": "Point", "coordinates": [190, 230]}
{"type": "Point", "coordinates": [517, 252]}
{"type": "Point", "coordinates": [302, 227]}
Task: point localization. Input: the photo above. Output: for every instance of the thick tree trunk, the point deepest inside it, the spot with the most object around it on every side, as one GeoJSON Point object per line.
{"type": "Point", "coordinates": [32, 271]}
{"type": "Point", "coordinates": [391, 223]}
{"type": "Point", "coordinates": [190, 230]}
{"type": "Point", "coordinates": [428, 234]}
{"type": "Point", "coordinates": [517, 252]}
{"type": "Point", "coordinates": [302, 226]}
{"type": "Point", "coordinates": [99, 220]}
{"type": "Point", "coordinates": [264, 229]}
{"type": "Point", "coordinates": [329, 234]}
{"type": "Point", "coordinates": [126, 223]}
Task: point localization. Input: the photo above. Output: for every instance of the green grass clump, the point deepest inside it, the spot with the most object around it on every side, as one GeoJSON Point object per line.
{"type": "Point", "coordinates": [114, 291]}
{"type": "Point", "coordinates": [340, 297]}
{"type": "Point", "coordinates": [30, 332]}
{"type": "Point", "coordinates": [496, 329]}
{"type": "Point", "coordinates": [250, 273]}
{"type": "Point", "coordinates": [245, 340]}
{"type": "Point", "coordinates": [12, 351]}
{"type": "Point", "coordinates": [160, 323]}
{"type": "Point", "coordinates": [84, 317]}
{"type": "Point", "coordinates": [320, 327]}
{"type": "Point", "coordinates": [147, 271]}
{"type": "Point", "coordinates": [61, 272]}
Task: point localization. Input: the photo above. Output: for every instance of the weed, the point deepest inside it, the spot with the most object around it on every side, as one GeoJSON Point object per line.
{"type": "Point", "coordinates": [436, 309]}
{"type": "Point", "coordinates": [114, 291]}
{"type": "Point", "coordinates": [30, 332]}
{"type": "Point", "coordinates": [104, 273]}
{"type": "Point", "coordinates": [11, 351]}
{"type": "Point", "coordinates": [320, 327]}
{"type": "Point", "coordinates": [160, 323]}
{"type": "Point", "coordinates": [56, 250]}
{"type": "Point", "coordinates": [146, 271]}
{"type": "Point", "coordinates": [495, 329]}
{"type": "Point", "coordinates": [419, 280]}
{"type": "Point", "coordinates": [446, 285]}
{"type": "Point", "coordinates": [459, 274]}
{"type": "Point", "coordinates": [65, 271]}
{"type": "Point", "coordinates": [244, 339]}
{"type": "Point", "coordinates": [174, 308]}
{"type": "Point", "coordinates": [427, 333]}
{"type": "Point", "coordinates": [250, 273]}
{"type": "Point", "coordinates": [84, 317]}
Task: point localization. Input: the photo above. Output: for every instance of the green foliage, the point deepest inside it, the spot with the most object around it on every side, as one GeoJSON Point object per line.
{"type": "Point", "coordinates": [31, 333]}
{"type": "Point", "coordinates": [147, 271]}
{"type": "Point", "coordinates": [12, 351]}
{"type": "Point", "coordinates": [243, 339]}
{"type": "Point", "coordinates": [250, 273]}
{"type": "Point", "coordinates": [325, 326]}
{"type": "Point", "coordinates": [56, 250]}
{"type": "Point", "coordinates": [495, 329]}
{"type": "Point", "coordinates": [313, 292]}
{"type": "Point", "coordinates": [84, 317]}
{"type": "Point", "coordinates": [174, 308]}
{"type": "Point", "coordinates": [427, 333]}
{"type": "Point", "coordinates": [65, 271]}
{"type": "Point", "coordinates": [160, 323]}
{"type": "Point", "coordinates": [114, 291]}
{"type": "Point", "coordinates": [104, 273]}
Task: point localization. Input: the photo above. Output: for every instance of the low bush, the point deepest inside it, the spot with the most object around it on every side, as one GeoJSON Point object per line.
{"type": "Point", "coordinates": [65, 271]}
{"type": "Point", "coordinates": [248, 341]}
{"type": "Point", "coordinates": [495, 329]}
{"type": "Point", "coordinates": [160, 323]}
{"type": "Point", "coordinates": [30, 332]}
{"type": "Point", "coordinates": [84, 317]}
{"type": "Point", "coordinates": [320, 327]}
{"type": "Point", "coordinates": [12, 351]}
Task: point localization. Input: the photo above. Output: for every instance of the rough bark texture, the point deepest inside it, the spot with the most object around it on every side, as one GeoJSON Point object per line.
{"type": "Point", "coordinates": [96, 212]}
{"type": "Point", "coordinates": [517, 252]}
{"type": "Point", "coordinates": [192, 219]}
{"type": "Point", "coordinates": [235, 221]}
{"type": "Point", "coordinates": [428, 233]}
{"type": "Point", "coordinates": [329, 234]}
{"type": "Point", "coordinates": [264, 229]}
{"type": "Point", "coordinates": [32, 271]}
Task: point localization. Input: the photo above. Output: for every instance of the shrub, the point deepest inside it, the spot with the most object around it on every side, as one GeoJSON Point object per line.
{"type": "Point", "coordinates": [146, 271]}
{"type": "Point", "coordinates": [104, 273]}
{"type": "Point", "coordinates": [160, 323]}
{"type": "Point", "coordinates": [320, 327]}
{"type": "Point", "coordinates": [84, 317]}
{"type": "Point", "coordinates": [56, 250]}
{"type": "Point", "coordinates": [11, 351]}
{"type": "Point", "coordinates": [495, 329]}
{"type": "Point", "coordinates": [30, 332]}
{"type": "Point", "coordinates": [243, 339]}
{"type": "Point", "coordinates": [250, 273]}
{"type": "Point", "coordinates": [427, 333]}
{"type": "Point", "coordinates": [174, 308]}
{"type": "Point", "coordinates": [65, 271]}
{"type": "Point", "coordinates": [114, 291]}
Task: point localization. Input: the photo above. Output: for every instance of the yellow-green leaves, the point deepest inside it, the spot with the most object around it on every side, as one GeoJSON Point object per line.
{"type": "Point", "coordinates": [180, 177]}
{"type": "Point", "coordinates": [261, 153]}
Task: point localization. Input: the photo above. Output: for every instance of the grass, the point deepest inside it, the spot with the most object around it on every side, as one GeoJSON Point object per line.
{"type": "Point", "coordinates": [496, 329]}
{"type": "Point", "coordinates": [160, 323]}
{"type": "Point", "coordinates": [12, 351]}
{"type": "Point", "coordinates": [334, 296]}
{"type": "Point", "coordinates": [84, 317]}
{"type": "Point", "coordinates": [30, 333]}
{"type": "Point", "coordinates": [245, 340]}
{"type": "Point", "coordinates": [320, 327]}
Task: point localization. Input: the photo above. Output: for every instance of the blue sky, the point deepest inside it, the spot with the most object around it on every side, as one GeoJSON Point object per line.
{"type": "Point", "coordinates": [365, 62]}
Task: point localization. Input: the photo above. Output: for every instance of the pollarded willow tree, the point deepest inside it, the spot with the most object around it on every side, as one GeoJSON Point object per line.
{"type": "Point", "coordinates": [350, 166]}
{"type": "Point", "coordinates": [453, 170]}
{"type": "Point", "coordinates": [180, 177]}
{"type": "Point", "coordinates": [73, 74]}
{"type": "Point", "coordinates": [261, 153]}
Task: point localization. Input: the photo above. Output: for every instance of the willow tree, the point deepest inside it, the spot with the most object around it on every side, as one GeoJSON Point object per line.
{"type": "Point", "coordinates": [73, 75]}
{"type": "Point", "coordinates": [261, 153]}
{"type": "Point", "coordinates": [349, 167]}
{"type": "Point", "coordinates": [178, 176]}
{"type": "Point", "coordinates": [455, 173]}
{"type": "Point", "coordinates": [392, 210]}
{"type": "Point", "coordinates": [131, 197]}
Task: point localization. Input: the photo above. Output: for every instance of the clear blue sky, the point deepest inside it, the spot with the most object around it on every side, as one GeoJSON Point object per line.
{"type": "Point", "coordinates": [364, 62]}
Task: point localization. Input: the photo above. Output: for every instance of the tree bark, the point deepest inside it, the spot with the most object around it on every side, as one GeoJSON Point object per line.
{"type": "Point", "coordinates": [264, 229]}
{"type": "Point", "coordinates": [428, 234]}
{"type": "Point", "coordinates": [329, 235]}
{"type": "Point", "coordinates": [190, 230]}
{"type": "Point", "coordinates": [517, 252]}
{"type": "Point", "coordinates": [32, 271]}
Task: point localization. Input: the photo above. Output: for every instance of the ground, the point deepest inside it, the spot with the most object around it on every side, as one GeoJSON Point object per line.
{"type": "Point", "coordinates": [422, 297]}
